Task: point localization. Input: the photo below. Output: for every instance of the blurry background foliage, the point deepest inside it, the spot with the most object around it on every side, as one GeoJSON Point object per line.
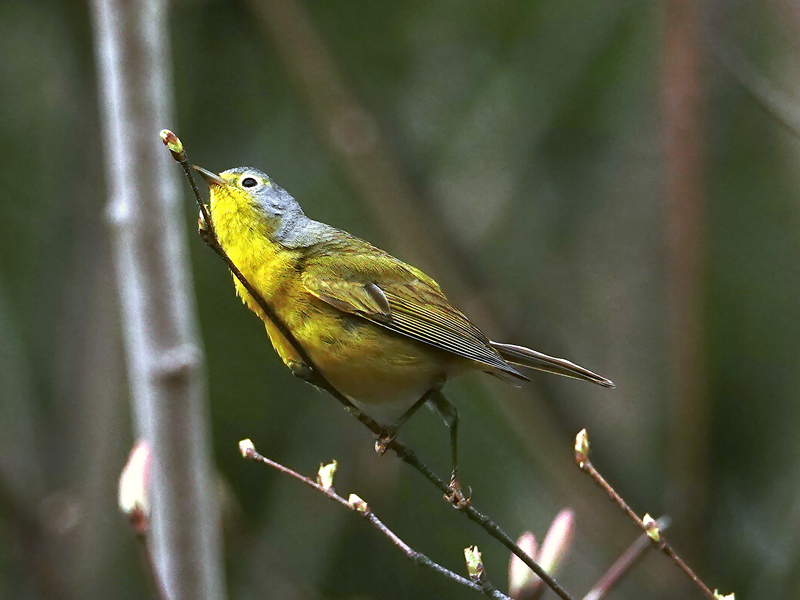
{"type": "Point", "coordinates": [531, 135]}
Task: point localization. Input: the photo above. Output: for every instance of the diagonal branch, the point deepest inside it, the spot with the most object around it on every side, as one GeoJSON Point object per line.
{"type": "Point", "coordinates": [623, 565]}
{"type": "Point", "coordinates": [647, 524]}
{"type": "Point", "coordinates": [358, 506]}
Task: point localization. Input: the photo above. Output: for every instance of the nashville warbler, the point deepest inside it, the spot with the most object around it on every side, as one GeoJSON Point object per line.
{"type": "Point", "coordinates": [379, 330]}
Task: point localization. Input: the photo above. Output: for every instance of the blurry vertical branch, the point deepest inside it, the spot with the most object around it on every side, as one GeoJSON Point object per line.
{"type": "Point", "coordinates": [165, 364]}
{"type": "Point", "coordinates": [683, 135]}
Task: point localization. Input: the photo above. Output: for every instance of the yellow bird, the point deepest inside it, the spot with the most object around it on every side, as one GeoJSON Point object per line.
{"type": "Point", "coordinates": [380, 331]}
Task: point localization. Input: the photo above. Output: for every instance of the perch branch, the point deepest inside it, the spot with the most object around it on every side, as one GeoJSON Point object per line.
{"type": "Point", "coordinates": [359, 507]}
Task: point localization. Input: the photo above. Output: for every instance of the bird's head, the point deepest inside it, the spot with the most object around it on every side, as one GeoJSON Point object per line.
{"type": "Point", "coordinates": [252, 194]}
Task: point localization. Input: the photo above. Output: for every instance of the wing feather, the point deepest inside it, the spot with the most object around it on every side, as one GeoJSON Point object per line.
{"type": "Point", "coordinates": [416, 309]}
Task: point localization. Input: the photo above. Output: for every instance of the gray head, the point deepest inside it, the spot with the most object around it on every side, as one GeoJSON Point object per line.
{"type": "Point", "coordinates": [274, 201]}
{"type": "Point", "coordinates": [254, 188]}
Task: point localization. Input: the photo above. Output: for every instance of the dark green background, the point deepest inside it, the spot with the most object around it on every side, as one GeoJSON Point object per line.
{"type": "Point", "coordinates": [531, 136]}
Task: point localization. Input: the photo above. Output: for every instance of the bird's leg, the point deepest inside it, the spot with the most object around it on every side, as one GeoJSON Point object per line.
{"type": "Point", "coordinates": [449, 414]}
{"type": "Point", "coordinates": [388, 434]}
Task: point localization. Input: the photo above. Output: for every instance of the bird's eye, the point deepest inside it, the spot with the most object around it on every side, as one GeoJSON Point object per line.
{"type": "Point", "coordinates": [249, 182]}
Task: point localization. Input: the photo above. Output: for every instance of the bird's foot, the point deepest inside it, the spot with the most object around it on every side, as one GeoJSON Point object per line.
{"type": "Point", "coordinates": [384, 438]}
{"type": "Point", "coordinates": [455, 495]}
{"type": "Point", "coordinates": [203, 229]}
{"type": "Point", "coordinates": [301, 371]}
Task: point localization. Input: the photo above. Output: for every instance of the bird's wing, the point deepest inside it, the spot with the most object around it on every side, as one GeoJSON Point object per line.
{"type": "Point", "coordinates": [402, 299]}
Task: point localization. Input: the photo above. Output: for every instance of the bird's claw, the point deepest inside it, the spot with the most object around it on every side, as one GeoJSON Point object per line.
{"type": "Point", "coordinates": [301, 371]}
{"type": "Point", "coordinates": [455, 495]}
{"type": "Point", "coordinates": [384, 438]}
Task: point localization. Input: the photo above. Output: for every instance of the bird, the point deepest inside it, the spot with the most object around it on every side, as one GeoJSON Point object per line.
{"type": "Point", "coordinates": [379, 330]}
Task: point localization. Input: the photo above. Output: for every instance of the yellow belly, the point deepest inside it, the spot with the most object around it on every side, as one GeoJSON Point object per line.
{"type": "Point", "coordinates": [381, 372]}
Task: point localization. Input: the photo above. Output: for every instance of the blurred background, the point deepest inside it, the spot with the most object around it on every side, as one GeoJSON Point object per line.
{"type": "Point", "coordinates": [612, 182]}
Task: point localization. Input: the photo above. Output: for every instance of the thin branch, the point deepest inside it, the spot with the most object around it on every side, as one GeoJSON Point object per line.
{"type": "Point", "coordinates": [783, 107]}
{"type": "Point", "coordinates": [316, 377]}
{"type": "Point", "coordinates": [158, 317]}
{"type": "Point", "coordinates": [647, 525]}
{"type": "Point", "coordinates": [359, 507]}
{"type": "Point", "coordinates": [624, 564]}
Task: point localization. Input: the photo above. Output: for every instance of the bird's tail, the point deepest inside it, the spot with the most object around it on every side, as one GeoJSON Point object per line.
{"type": "Point", "coordinates": [519, 355]}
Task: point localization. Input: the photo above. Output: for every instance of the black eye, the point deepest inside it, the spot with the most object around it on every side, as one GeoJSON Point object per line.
{"type": "Point", "coordinates": [249, 182]}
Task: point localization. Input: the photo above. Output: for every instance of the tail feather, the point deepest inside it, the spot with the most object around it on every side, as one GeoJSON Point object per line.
{"type": "Point", "coordinates": [519, 355]}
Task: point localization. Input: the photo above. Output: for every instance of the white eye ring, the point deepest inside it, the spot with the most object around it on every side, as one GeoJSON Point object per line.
{"type": "Point", "coordinates": [248, 182]}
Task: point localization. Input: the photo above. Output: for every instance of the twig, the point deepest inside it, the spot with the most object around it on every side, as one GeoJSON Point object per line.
{"type": "Point", "coordinates": [162, 348]}
{"type": "Point", "coordinates": [359, 507]}
{"type": "Point", "coordinates": [317, 378]}
{"type": "Point", "coordinates": [780, 105]}
{"type": "Point", "coordinates": [647, 524]}
{"type": "Point", "coordinates": [629, 559]}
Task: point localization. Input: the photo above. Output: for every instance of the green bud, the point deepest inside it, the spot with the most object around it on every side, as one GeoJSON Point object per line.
{"type": "Point", "coordinates": [582, 448]}
{"type": "Point", "coordinates": [474, 563]}
{"type": "Point", "coordinates": [325, 475]}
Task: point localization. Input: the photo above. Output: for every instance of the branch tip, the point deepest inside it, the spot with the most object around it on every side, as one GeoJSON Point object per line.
{"type": "Point", "coordinates": [133, 498]}
{"type": "Point", "coordinates": [174, 144]}
{"type": "Point", "coordinates": [582, 448]}
{"type": "Point", "coordinates": [247, 448]}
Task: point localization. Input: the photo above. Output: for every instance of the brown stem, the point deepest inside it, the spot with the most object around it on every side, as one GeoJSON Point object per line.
{"type": "Point", "coordinates": [362, 509]}
{"type": "Point", "coordinates": [685, 236]}
{"type": "Point", "coordinates": [653, 533]}
{"type": "Point", "coordinates": [623, 565]}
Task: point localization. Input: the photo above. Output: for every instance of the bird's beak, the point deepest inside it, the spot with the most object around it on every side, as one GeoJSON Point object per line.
{"type": "Point", "coordinates": [211, 178]}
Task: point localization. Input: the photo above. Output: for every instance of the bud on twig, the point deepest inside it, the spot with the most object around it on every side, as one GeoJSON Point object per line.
{"type": "Point", "coordinates": [474, 564]}
{"type": "Point", "coordinates": [174, 145]}
{"type": "Point", "coordinates": [358, 503]}
{"type": "Point", "coordinates": [651, 528]}
{"type": "Point", "coordinates": [582, 448]}
{"type": "Point", "coordinates": [247, 448]}
{"type": "Point", "coordinates": [133, 486]}
{"type": "Point", "coordinates": [325, 475]}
